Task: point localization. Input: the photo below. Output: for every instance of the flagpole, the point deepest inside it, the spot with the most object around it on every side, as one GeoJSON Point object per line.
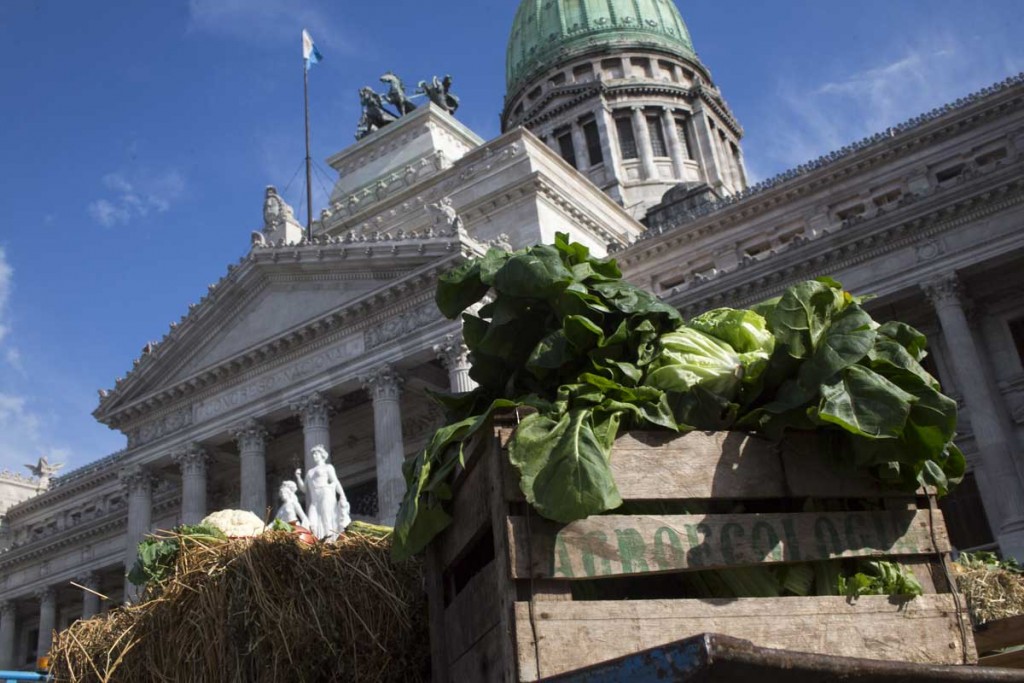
{"type": "Point", "coordinates": [309, 187]}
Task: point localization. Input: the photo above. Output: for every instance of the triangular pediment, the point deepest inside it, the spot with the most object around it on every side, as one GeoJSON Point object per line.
{"type": "Point", "coordinates": [273, 294]}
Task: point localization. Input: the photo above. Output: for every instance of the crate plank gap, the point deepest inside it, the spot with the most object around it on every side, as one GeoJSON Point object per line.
{"type": "Point", "coordinates": [514, 597]}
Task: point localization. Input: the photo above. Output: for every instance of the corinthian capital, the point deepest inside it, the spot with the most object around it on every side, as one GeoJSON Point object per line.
{"type": "Point", "coordinates": [90, 580]}
{"type": "Point", "coordinates": [384, 383]}
{"type": "Point", "coordinates": [250, 435]}
{"type": "Point", "coordinates": [452, 352]}
{"type": "Point", "coordinates": [944, 290]}
{"type": "Point", "coordinates": [192, 459]}
{"type": "Point", "coordinates": [7, 607]}
{"type": "Point", "coordinates": [46, 594]}
{"type": "Point", "coordinates": [136, 479]}
{"type": "Point", "coordinates": [313, 410]}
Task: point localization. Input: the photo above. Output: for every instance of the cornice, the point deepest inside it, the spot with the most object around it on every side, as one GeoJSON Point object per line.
{"type": "Point", "coordinates": [83, 479]}
{"type": "Point", "coordinates": [868, 239]}
{"type": "Point", "coordinates": [940, 123]}
{"type": "Point", "coordinates": [50, 545]}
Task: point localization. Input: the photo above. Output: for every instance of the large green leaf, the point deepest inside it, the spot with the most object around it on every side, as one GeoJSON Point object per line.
{"type": "Point", "coordinates": [537, 274]}
{"type": "Point", "coordinates": [865, 403]}
{"type": "Point", "coordinates": [459, 288]}
{"type": "Point", "coordinates": [802, 315]}
{"type": "Point", "coordinates": [563, 463]}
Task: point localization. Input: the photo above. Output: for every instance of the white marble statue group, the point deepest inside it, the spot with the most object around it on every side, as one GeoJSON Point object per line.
{"type": "Point", "coordinates": [327, 511]}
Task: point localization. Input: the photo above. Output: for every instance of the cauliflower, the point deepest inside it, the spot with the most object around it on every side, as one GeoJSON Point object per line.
{"type": "Point", "coordinates": [236, 523]}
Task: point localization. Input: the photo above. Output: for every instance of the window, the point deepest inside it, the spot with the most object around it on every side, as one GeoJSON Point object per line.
{"type": "Point", "coordinates": [612, 68]}
{"type": "Point", "coordinates": [657, 136]}
{"type": "Point", "coordinates": [667, 71]}
{"type": "Point", "coordinates": [683, 132]}
{"type": "Point", "coordinates": [583, 72]}
{"type": "Point", "coordinates": [991, 157]}
{"type": "Point", "coordinates": [627, 143]}
{"type": "Point", "coordinates": [641, 67]}
{"type": "Point", "coordinates": [1017, 330]}
{"type": "Point", "coordinates": [534, 94]}
{"type": "Point", "coordinates": [948, 174]}
{"type": "Point", "coordinates": [593, 138]}
{"type": "Point", "coordinates": [557, 79]}
{"type": "Point", "coordinates": [565, 147]}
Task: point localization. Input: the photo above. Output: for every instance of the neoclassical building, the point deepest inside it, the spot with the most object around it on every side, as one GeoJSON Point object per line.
{"type": "Point", "coordinates": [614, 132]}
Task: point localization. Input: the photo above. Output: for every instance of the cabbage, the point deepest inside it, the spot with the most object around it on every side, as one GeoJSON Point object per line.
{"type": "Point", "coordinates": [687, 358]}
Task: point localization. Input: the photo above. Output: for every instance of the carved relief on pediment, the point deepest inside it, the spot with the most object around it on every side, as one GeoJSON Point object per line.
{"type": "Point", "coordinates": [400, 325]}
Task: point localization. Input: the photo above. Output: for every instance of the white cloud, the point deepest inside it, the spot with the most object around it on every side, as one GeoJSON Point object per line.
{"type": "Point", "coordinates": [261, 21]}
{"type": "Point", "coordinates": [136, 198]}
{"type": "Point", "coordinates": [808, 120]}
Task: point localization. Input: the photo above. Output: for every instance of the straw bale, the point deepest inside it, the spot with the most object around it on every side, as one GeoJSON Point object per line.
{"type": "Point", "coordinates": [268, 608]}
{"type": "Point", "coordinates": [991, 592]}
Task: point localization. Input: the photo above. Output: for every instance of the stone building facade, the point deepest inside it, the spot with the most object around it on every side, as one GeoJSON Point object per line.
{"type": "Point", "coordinates": [609, 118]}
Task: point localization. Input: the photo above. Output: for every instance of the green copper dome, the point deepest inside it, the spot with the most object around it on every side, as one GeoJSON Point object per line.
{"type": "Point", "coordinates": [546, 32]}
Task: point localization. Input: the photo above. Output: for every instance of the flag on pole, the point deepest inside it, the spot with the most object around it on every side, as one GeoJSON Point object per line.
{"type": "Point", "coordinates": [310, 54]}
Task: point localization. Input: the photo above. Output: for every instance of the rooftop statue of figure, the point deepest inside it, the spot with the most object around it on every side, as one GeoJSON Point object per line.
{"type": "Point", "coordinates": [375, 116]}
{"type": "Point", "coordinates": [326, 505]}
{"type": "Point", "coordinates": [439, 92]}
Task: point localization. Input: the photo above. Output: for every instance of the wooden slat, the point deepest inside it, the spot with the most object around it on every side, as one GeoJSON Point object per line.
{"type": "Point", "coordinates": [435, 606]}
{"type": "Point", "coordinates": [995, 635]}
{"type": "Point", "coordinates": [506, 587]}
{"type": "Point", "coordinates": [1004, 660]}
{"type": "Point", "coordinates": [613, 545]}
{"type": "Point", "coordinates": [571, 635]}
{"type": "Point", "coordinates": [482, 662]}
{"type": "Point", "coordinates": [470, 512]}
{"type": "Point", "coordinates": [724, 465]}
{"type": "Point", "coordinates": [472, 613]}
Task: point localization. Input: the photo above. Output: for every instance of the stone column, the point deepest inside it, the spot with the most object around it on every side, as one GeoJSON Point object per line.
{"type": "Point", "coordinates": [454, 355]}
{"type": "Point", "coordinates": [8, 615]}
{"type": "Point", "coordinates": [47, 619]}
{"type": "Point", "coordinates": [993, 438]}
{"type": "Point", "coordinates": [609, 142]}
{"type": "Point", "coordinates": [138, 483]}
{"type": "Point", "coordinates": [675, 146]}
{"type": "Point", "coordinates": [90, 601]}
{"type": "Point", "coordinates": [193, 462]}
{"type": "Point", "coordinates": [315, 413]}
{"type": "Point", "coordinates": [252, 446]}
{"type": "Point", "coordinates": [643, 144]}
{"type": "Point", "coordinates": [579, 142]}
{"type": "Point", "coordinates": [385, 386]}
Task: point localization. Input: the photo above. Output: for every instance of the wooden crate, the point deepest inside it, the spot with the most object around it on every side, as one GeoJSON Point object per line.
{"type": "Point", "coordinates": [501, 579]}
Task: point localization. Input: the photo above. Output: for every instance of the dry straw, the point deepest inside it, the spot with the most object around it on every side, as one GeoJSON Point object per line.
{"type": "Point", "coordinates": [991, 592]}
{"type": "Point", "coordinates": [263, 609]}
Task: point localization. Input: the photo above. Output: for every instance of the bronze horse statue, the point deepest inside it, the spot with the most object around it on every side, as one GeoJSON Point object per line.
{"type": "Point", "coordinates": [396, 94]}
{"type": "Point", "coordinates": [375, 116]}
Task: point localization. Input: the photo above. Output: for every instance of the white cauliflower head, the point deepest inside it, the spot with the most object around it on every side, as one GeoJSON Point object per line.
{"type": "Point", "coordinates": [236, 523]}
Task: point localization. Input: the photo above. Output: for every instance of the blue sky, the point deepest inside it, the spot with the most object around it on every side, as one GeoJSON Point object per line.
{"type": "Point", "coordinates": [136, 139]}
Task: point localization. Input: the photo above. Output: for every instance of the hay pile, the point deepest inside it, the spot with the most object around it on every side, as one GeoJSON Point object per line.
{"type": "Point", "coordinates": [267, 608]}
{"type": "Point", "coordinates": [993, 589]}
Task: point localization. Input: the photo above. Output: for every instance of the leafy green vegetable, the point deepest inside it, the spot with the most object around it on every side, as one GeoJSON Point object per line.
{"type": "Point", "coordinates": [878, 577]}
{"type": "Point", "coordinates": [158, 554]}
{"type": "Point", "coordinates": [562, 334]}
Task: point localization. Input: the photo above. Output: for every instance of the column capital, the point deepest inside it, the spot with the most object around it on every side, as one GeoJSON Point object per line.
{"type": "Point", "coordinates": [136, 479]}
{"type": "Point", "coordinates": [7, 607]}
{"type": "Point", "coordinates": [46, 594]}
{"type": "Point", "coordinates": [249, 435]}
{"type": "Point", "coordinates": [192, 459]}
{"type": "Point", "coordinates": [89, 579]}
{"type": "Point", "coordinates": [314, 410]}
{"type": "Point", "coordinates": [383, 383]}
{"type": "Point", "coordinates": [945, 290]}
{"type": "Point", "coordinates": [452, 352]}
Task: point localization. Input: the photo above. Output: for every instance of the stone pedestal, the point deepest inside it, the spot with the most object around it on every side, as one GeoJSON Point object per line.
{"type": "Point", "coordinates": [138, 483]}
{"type": "Point", "coordinates": [8, 614]}
{"type": "Point", "coordinates": [252, 447]}
{"type": "Point", "coordinates": [315, 413]}
{"type": "Point", "coordinates": [385, 387]}
{"type": "Point", "coordinates": [90, 601]}
{"type": "Point", "coordinates": [193, 462]}
{"type": "Point", "coordinates": [454, 355]}
{"type": "Point", "coordinates": [47, 619]}
{"type": "Point", "coordinates": [993, 438]}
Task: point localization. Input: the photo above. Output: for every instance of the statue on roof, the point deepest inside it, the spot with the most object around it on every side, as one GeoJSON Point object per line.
{"type": "Point", "coordinates": [396, 96]}
{"type": "Point", "coordinates": [375, 116]}
{"type": "Point", "coordinates": [43, 470]}
{"type": "Point", "coordinates": [439, 92]}
{"type": "Point", "coordinates": [444, 212]}
{"type": "Point", "coordinates": [279, 224]}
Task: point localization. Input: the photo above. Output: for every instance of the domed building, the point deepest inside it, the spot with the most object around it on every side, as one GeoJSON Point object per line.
{"type": "Point", "coordinates": [617, 89]}
{"type": "Point", "coordinates": [614, 131]}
